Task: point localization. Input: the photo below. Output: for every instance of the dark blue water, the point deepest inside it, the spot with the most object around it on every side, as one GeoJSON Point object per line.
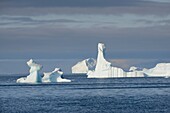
{"type": "Point", "coordinates": [123, 95]}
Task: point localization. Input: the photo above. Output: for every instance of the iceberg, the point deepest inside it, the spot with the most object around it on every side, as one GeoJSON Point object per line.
{"type": "Point", "coordinates": [160, 70]}
{"type": "Point", "coordinates": [135, 72]}
{"type": "Point", "coordinates": [54, 76]}
{"type": "Point", "coordinates": [133, 68]}
{"type": "Point", "coordinates": [84, 66]}
{"type": "Point", "coordinates": [104, 69]}
{"type": "Point", "coordinates": [34, 76]}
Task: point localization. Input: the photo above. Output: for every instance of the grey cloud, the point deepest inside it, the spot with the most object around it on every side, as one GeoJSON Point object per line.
{"type": "Point", "coordinates": [77, 3]}
{"type": "Point", "coordinates": [155, 23]}
{"type": "Point", "coordinates": [76, 40]}
{"type": "Point", "coordinates": [145, 8]}
{"type": "Point", "coordinates": [159, 1]}
{"type": "Point", "coordinates": [68, 3]}
{"type": "Point", "coordinates": [29, 19]}
{"type": "Point", "coordinates": [47, 38]}
{"type": "Point", "coordinates": [26, 21]}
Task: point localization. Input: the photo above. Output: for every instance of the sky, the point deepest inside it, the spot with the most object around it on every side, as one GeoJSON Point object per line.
{"type": "Point", "coordinates": [71, 29]}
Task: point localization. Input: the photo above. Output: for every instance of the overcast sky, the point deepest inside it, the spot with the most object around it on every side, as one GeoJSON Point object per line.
{"type": "Point", "coordinates": [71, 29]}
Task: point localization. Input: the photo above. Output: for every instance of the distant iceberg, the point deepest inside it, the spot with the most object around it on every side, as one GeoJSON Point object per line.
{"type": "Point", "coordinates": [160, 70]}
{"type": "Point", "coordinates": [135, 72]}
{"type": "Point", "coordinates": [104, 69]}
{"type": "Point", "coordinates": [54, 76]}
{"type": "Point", "coordinates": [34, 76]}
{"type": "Point", "coordinates": [84, 66]}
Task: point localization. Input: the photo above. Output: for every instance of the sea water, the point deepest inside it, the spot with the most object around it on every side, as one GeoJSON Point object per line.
{"type": "Point", "coordinates": [83, 95]}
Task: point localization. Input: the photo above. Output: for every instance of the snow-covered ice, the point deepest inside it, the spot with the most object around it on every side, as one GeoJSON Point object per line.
{"type": "Point", "coordinates": [104, 69]}
{"type": "Point", "coordinates": [134, 72]}
{"type": "Point", "coordinates": [34, 76]}
{"type": "Point", "coordinates": [160, 70]}
{"type": "Point", "coordinates": [84, 66]}
{"type": "Point", "coordinates": [54, 76]}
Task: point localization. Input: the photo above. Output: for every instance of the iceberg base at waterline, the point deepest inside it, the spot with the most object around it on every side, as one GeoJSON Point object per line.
{"type": "Point", "coordinates": [34, 76]}
{"type": "Point", "coordinates": [54, 76]}
{"type": "Point", "coordinates": [111, 72]}
{"type": "Point", "coordinates": [61, 79]}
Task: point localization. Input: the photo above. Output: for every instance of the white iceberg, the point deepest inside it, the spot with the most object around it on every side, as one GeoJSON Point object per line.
{"type": "Point", "coordinates": [135, 72]}
{"type": "Point", "coordinates": [84, 66]}
{"type": "Point", "coordinates": [133, 68]}
{"type": "Point", "coordinates": [34, 76]}
{"type": "Point", "coordinates": [54, 76]}
{"type": "Point", "coordinates": [160, 70]}
{"type": "Point", "coordinates": [104, 68]}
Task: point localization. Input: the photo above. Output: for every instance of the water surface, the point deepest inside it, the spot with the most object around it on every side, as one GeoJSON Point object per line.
{"type": "Point", "coordinates": [82, 95]}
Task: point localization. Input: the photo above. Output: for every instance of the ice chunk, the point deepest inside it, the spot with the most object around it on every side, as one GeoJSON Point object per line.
{"type": "Point", "coordinates": [133, 68]}
{"type": "Point", "coordinates": [34, 76]}
{"type": "Point", "coordinates": [84, 66]}
{"type": "Point", "coordinates": [54, 76]}
{"type": "Point", "coordinates": [135, 72]}
{"type": "Point", "coordinates": [160, 70]}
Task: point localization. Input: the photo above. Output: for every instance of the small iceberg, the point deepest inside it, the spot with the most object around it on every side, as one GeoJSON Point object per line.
{"type": "Point", "coordinates": [166, 77]}
{"type": "Point", "coordinates": [34, 76]}
{"type": "Point", "coordinates": [54, 76]}
{"type": "Point", "coordinates": [84, 66]}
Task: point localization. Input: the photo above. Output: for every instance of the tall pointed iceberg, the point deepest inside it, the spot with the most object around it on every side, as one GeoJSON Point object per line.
{"type": "Point", "coordinates": [104, 68]}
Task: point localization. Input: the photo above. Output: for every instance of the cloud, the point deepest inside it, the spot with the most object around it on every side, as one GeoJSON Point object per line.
{"type": "Point", "coordinates": [159, 1]}
{"type": "Point", "coordinates": [128, 27]}
{"type": "Point", "coordinates": [84, 21]}
{"type": "Point", "coordinates": [76, 3]}
{"type": "Point", "coordinates": [113, 7]}
{"type": "Point", "coordinates": [68, 3]}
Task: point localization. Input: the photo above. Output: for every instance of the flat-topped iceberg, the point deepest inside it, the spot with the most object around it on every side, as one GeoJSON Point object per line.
{"type": "Point", "coordinates": [34, 76]}
{"type": "Point", "coordinates": [160, 70]}
{"type": "Point", "coordinates": [104, 69]}
{"type": "Point", "coordinates": [84, 66]}
{"type": "Point", "coordinates": [54, 76]}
